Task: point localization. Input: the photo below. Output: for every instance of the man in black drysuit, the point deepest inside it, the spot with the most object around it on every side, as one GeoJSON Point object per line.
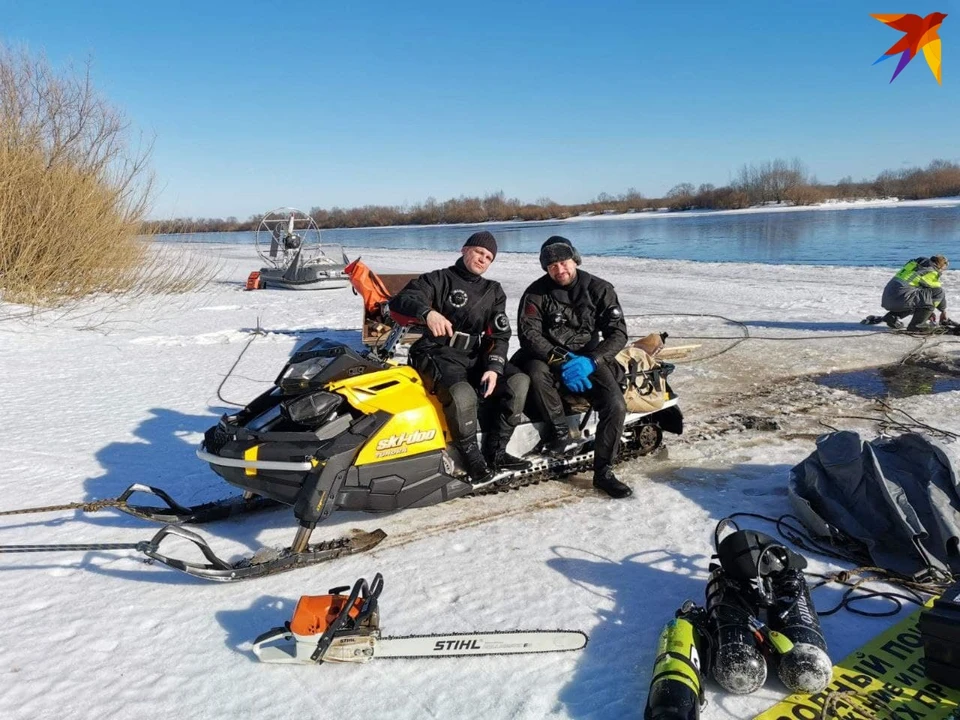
{"type": "Point", "coordinates": [571, 328]}
{"type": "Point", "coordinates": [464, 350]}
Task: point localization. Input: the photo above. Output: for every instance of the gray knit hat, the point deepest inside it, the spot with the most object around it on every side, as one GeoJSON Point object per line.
{"type": "Point", "coordinates": [557, 249]}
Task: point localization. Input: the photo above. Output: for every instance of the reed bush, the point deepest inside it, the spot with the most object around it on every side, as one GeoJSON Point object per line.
{"type": "Point", "coordinates": [74, 192]}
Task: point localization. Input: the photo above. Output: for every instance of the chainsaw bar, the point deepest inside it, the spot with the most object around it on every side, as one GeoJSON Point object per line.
{"type": "Point", "coordinates": [280, 645]}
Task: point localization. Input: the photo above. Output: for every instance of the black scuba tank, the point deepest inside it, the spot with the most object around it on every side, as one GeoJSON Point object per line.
{"type": "Point", "coordinates": [806, 668]}
{"type": "Point", "coordinates": [737, 662]}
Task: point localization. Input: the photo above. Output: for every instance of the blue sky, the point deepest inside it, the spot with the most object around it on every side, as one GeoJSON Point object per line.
{"type": "Point", "coordinates": [256, 105]}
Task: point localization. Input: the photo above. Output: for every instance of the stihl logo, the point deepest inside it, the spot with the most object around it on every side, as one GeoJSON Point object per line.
{"type": "Point", "coordinates": [417, 436]}
{"type": "Point", "coordinates": [442, 645]}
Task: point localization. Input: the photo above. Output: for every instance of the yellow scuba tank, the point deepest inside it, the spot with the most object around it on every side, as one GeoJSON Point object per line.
{"type": "Point", "coordinates": [676, 690]}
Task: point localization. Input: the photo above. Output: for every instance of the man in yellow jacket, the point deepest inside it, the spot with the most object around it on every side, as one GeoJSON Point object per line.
{"type": "Point", "coordinates": [915, 289]}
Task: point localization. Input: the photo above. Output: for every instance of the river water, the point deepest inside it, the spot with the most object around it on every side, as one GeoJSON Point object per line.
{"type": "Point", "coordinates": [885, 236]}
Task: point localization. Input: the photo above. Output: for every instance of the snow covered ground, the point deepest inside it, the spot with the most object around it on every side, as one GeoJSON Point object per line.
{"type": "Point", "coordinates": [109, 394]}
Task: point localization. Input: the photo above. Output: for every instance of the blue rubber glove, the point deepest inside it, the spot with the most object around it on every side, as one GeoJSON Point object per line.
{"type": "Point", "coordinates": [576, 373]}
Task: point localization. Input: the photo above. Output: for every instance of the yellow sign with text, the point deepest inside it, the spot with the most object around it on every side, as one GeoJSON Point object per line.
{"type": "Point", "coordinates": [883, 679]}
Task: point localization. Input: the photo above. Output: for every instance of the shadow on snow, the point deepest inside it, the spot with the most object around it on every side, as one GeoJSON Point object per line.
{"type": "Point", "coordinates": [644, 590]}
{"type": "Point", "coordinates": [163, 455]}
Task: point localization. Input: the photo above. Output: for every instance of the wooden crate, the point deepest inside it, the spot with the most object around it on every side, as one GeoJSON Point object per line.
{"type": "Point", "coordinates": [373, 329]}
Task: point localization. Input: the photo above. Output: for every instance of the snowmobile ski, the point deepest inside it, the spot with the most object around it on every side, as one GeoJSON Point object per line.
{"type": "Point", "coordinates": [267, 561]}
{"type": "Point", "coordinates": [176, 514]}
{"type": "Point", "coordinates": [346, 628]}
{"type": "Point", "coordinates": [173, 514]}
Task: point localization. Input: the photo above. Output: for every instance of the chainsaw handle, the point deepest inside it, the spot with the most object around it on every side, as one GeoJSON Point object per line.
{"type": "Point", "coordinates": [323, 644]}
{"type": "Point", "coordinates": [376, 587]}
{"type": "Point", "coordinates": [264, 653]}
{"type": "Point", "coordinates": [370, 597]}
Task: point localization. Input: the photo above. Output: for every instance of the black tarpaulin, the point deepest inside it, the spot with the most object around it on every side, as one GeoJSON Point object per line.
{"type": "Point", "coordinates": [898, 496]}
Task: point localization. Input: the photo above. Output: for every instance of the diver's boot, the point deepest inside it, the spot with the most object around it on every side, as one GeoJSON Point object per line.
{"type": "Point", "coordinates": [562, 444]}
{"type": "Point", "coordinates": [499, 460]}
{"type": "Point", "coordinates": [605, 480]}
{"type": "Point", "coordinates": [892, 321]}
{"type": "Point", "coordinates": [476, 465]}
{"type": "Point", "coordinates": [504, 461]}
{"type": "Point", "coordinates": [918, 323]}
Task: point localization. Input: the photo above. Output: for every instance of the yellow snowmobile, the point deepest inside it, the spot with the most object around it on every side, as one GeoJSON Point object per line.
{"type": "Point", "coordinates": [343, 430]}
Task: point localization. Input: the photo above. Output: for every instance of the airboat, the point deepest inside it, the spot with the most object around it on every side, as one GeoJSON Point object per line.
{"type": "Point", "coordinates": [288, 241]}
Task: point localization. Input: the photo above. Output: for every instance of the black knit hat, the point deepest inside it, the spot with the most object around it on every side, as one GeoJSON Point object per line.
{"type": "Point", "coordinates": [483, 239]}
{"type": "Point", "coordinates": [557, 249]}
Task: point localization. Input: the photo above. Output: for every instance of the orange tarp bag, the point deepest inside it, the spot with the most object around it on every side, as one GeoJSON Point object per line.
{"type": "Point", "coordinates": [367, 285]}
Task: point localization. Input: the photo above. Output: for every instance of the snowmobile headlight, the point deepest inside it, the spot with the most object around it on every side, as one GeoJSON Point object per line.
{"type": "Point", "coordinates": [311, 409]}
{"type": "Point", "coordinates": [304, 374]}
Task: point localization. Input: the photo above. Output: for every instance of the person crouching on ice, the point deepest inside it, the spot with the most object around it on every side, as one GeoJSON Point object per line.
{"type": "Point", "coordinates": [465, 351]}
{"type": "Point", "coordinates": [571, 327]}
{"type": "Point", "coordinates": [915, 289]}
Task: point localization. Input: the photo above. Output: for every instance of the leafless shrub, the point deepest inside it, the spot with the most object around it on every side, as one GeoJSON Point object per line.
{"type": "Point", "coordinates": [73, 192]}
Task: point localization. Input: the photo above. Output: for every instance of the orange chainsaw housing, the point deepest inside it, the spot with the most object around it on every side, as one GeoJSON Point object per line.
{"type": "Point", "coordinates": [315, 613]}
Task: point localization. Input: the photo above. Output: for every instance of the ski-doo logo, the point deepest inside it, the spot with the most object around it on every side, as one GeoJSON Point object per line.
{"type": "Point", "coordinates": [397, 444]}
{"type": "Point", "coordinates": [446, 645]}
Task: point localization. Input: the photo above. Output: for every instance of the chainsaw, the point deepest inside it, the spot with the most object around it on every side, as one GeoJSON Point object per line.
{"type": "Point", "coordinates": [342, 628]}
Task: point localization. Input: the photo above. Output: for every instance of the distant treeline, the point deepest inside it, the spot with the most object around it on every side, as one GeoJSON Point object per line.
{"type": "Point", "coordinates": [776, 181]}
